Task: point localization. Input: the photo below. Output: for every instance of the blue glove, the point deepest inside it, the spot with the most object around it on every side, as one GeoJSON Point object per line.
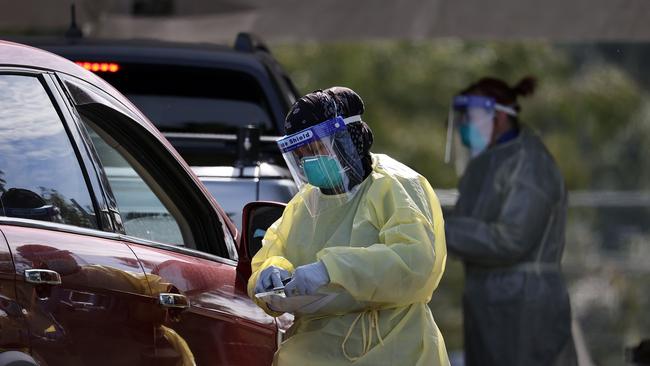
{"type": "Point", "coordinates": [307, 279]}
{"type": "Point", "coordinates": [270, 278]}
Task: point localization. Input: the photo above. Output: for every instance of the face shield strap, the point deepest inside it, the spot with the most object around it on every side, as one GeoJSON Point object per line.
{"type": "Point", "coordinates": [505, 109]}
{"type": "Point", "coordinates": [352, 119]}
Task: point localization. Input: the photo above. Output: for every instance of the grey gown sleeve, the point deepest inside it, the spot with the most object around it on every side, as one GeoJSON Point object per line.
{"type": "Point", "coordinates": [519, 227]}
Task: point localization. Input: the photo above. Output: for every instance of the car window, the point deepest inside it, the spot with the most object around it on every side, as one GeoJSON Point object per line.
{"type": "Point", "coordinates": [191, 99]}
{"type": "Point", "coordinates": [40, 176]}
{"type": "Point", "coordinates": [143, 213]}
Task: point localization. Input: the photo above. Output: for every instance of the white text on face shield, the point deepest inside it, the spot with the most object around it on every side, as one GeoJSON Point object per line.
{"type": "Point", "coordinates": [296, 139]}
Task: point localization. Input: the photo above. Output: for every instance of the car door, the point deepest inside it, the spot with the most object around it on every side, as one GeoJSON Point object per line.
{"type": "Point", "coordinates": [180, 238]}
{"type": "Point", "coordinates": [83, 294]}
{"type": "Point", "coordinates": [12, 320]}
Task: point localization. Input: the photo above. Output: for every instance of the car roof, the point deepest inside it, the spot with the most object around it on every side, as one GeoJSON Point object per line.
{"type": "Point", "coordinates": [20, 55]}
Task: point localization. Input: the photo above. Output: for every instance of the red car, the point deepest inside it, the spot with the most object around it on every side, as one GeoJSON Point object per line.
{"type": "Point", "coordinates": [111, 250]}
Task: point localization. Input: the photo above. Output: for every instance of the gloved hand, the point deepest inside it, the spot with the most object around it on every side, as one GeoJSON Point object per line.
{"type": "Point", "coordinates": [270, 278]}
{"type": "Point", "coordinates": [307, 279]}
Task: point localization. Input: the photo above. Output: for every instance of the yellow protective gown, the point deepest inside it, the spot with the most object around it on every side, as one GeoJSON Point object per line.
{"type": "Point", "coordinates": [385, 253]}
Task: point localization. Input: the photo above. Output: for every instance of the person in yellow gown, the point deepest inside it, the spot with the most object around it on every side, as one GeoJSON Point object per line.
{"type": "Point", "coordinates": [365, 232]}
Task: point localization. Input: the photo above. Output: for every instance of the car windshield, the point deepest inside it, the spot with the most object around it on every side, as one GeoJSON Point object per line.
{"type": "Point", "coordinates": [191, 99]}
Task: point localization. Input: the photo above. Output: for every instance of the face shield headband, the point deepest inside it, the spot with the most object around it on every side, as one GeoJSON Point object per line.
{"type": "Point", "coordinates": [465, 102]}
{"type": "Point", "coordinates": [310, 134]}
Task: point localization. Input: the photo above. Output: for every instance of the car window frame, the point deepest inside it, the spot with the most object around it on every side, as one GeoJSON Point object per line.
{"type": "Point", "coordinates": [156, 189]}
{"type": "Point", "coordinates": [211, 233]}
{"type": "Point", "coordinates": [57, 101]}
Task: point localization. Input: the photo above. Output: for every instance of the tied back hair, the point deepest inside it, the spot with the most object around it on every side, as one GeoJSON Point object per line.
{"type": "Point", "coordinates": [526, 86]}
{"type": "Point", "coordinates": [501, 91]}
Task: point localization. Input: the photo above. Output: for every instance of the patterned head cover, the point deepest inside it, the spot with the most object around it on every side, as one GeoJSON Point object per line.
{"type": "Point", "coordinates": [310, 110]}
{"type": "Point", "coordinates": [321, 105]}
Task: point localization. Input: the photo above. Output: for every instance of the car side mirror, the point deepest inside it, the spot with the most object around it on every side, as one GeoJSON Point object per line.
{"type": "Point", "coordinates": [256, 219]}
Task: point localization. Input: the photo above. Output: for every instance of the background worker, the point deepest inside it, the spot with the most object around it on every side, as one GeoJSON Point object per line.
{"type": "Point", "coordinates": [508, 229]}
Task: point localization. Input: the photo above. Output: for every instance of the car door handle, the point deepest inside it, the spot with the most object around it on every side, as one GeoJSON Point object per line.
{"type": "Point", "coordinates": [173, 301]}
{"type": "Point", "coordinates": [42, 277]}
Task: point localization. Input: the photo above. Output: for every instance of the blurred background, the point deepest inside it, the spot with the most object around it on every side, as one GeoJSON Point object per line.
{"type": "Point", "coordinates": [408, 58]}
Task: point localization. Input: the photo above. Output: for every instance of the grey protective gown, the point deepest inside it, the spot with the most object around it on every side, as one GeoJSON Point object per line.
{"type": "Point", "coordinates": [508, 229]}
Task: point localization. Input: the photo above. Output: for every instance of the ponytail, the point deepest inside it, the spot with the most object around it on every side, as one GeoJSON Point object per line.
{"type": "Point", "coordinates": [525, 87]}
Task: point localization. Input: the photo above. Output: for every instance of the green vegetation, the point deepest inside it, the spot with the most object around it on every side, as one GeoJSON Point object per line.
{"type": "Point", "coordinates": [592, 116]}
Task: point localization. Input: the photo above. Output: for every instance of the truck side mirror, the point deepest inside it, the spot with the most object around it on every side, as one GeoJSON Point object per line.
{"type": "Point", "coordinates": [256, 219]}
{"type": "Point", "coordinates": [639, 355]}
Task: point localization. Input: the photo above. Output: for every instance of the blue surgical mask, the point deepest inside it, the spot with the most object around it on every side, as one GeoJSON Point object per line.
{"type": "Point", "coordinates": [476, 135]}
{"type": "Point", "coordinates": [323, 171]}
{"type": "Point", "coordinates": [471, 136]}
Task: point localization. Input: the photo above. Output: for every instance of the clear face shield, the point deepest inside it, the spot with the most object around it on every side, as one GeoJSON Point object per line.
{"type": "Point", "coordinates": [324, 163]}
{"type": "Point", "coordinates": [473, 117]}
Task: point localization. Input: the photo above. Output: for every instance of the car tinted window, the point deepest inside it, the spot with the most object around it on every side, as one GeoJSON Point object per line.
{"type": "Point", "coordinates": [40, 176]}
{"type": "Point", "coordinates": [143, 214]}
{"type": "Point", "coordinates": [191, 99]}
